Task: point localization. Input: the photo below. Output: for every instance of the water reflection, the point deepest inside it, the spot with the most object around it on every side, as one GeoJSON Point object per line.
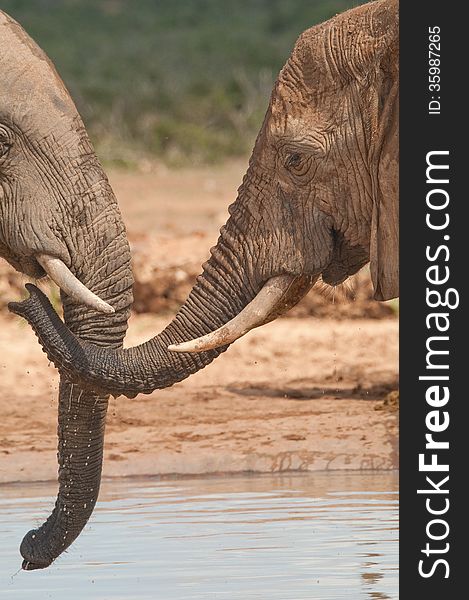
{"type": "Point", "coordinates": [301, 536]}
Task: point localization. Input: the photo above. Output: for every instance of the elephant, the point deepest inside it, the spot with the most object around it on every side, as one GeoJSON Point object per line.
{"type": "Point", "coordinates": [319, 199]}
{"type": "Point", "coordinates": [58, 215]}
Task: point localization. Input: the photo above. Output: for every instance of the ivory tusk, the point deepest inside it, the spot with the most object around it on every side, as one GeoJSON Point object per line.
{"type": "Point", "coordinates": [68, 283]}
{"type": "Point", "coordinates": [253, 315]}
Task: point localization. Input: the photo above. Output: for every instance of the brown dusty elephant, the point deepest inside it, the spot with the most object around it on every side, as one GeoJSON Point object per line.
{"type": "Point", "coordinates": [319, 199]}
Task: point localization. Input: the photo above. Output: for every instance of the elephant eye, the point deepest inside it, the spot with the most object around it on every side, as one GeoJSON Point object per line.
{"type": "Point", "coordinates": [298, 165]}
{"type": "Point", "coordinates": [293, 161]}
{"type": "Point", "coordinates": [4, 147]}
{"type": "Point", "coordinates": [5, 140]}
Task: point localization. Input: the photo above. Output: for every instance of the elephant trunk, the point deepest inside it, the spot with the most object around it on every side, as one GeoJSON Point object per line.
{"type": "Point", "coordinates": [80, 453]}
{"type": "Point", "coordinates": [81, 412]}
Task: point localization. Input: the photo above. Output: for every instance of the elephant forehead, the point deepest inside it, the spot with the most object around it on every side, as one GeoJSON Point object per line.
{"type": "Point", "coordinates": [298, 101]}
{"type": "Point", "coordinates": [15, 36]}
{"type": "Point", "coordinates": [32, 96]}
{"type": "Point", "coordinates": [298, 122]}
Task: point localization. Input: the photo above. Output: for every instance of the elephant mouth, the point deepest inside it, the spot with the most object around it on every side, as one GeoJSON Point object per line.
{"type": "Point", "coordinates": [33, 269]}
{"type": "Point", "coordinates": [27, 265]}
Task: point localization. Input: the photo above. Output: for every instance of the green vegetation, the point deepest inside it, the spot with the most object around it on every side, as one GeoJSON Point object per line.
{"type": "Point", "coordinates": [183, 80]}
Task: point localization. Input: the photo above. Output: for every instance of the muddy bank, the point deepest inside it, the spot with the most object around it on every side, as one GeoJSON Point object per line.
{"type": "Point", "coordinates": [298, 394]}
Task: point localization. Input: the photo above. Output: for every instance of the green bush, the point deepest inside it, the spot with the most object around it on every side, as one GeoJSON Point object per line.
{"type": "Point", "coordinates": [182, 80]}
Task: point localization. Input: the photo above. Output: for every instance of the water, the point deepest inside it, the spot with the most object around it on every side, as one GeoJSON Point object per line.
{"type": "Point", "coordinates": [302, 536]}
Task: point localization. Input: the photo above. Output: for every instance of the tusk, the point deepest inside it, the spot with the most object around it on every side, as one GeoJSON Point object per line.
{"type": "Point", "coordinates": [68, 283]}
{"type": "Point", "coordinates": [254, 314]}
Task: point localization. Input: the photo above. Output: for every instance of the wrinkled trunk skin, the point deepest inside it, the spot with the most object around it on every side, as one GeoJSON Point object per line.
{"type": "Point", "coordinates": [82, 414]}
{"type": "Point", "coordinates": [80, 455]}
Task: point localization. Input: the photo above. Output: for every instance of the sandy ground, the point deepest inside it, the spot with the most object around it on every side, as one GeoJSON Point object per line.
{"type": "Point", "coordinates": [297, 394]}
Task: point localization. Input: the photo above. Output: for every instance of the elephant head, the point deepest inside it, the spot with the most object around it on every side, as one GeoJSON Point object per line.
{"type": "Point", "coordinates": [319, 199]}
{"type": "Point", "coordinates": [59, 215]}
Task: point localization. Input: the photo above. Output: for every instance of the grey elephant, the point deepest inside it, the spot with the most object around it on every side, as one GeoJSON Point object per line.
{"type": "Point", "coordinates": [320, 198]}
{"type": "Point", "coordinates": [59, 215]}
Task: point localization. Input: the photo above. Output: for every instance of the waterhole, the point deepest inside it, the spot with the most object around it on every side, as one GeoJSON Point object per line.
{"type": "Point", "coordinates": [275, 537]}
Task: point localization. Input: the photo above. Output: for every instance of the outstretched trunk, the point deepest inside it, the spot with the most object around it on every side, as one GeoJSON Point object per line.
{"type": "Point", "coordinates": [231, 279]}
{"type": "Point", "coordinates": [219, 294]}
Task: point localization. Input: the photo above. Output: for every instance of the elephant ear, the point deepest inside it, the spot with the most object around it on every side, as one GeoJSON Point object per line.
{"type": "Point", "coordinates": [362, 47]}
{"type": "Point", "coordinates": [384, 241]}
